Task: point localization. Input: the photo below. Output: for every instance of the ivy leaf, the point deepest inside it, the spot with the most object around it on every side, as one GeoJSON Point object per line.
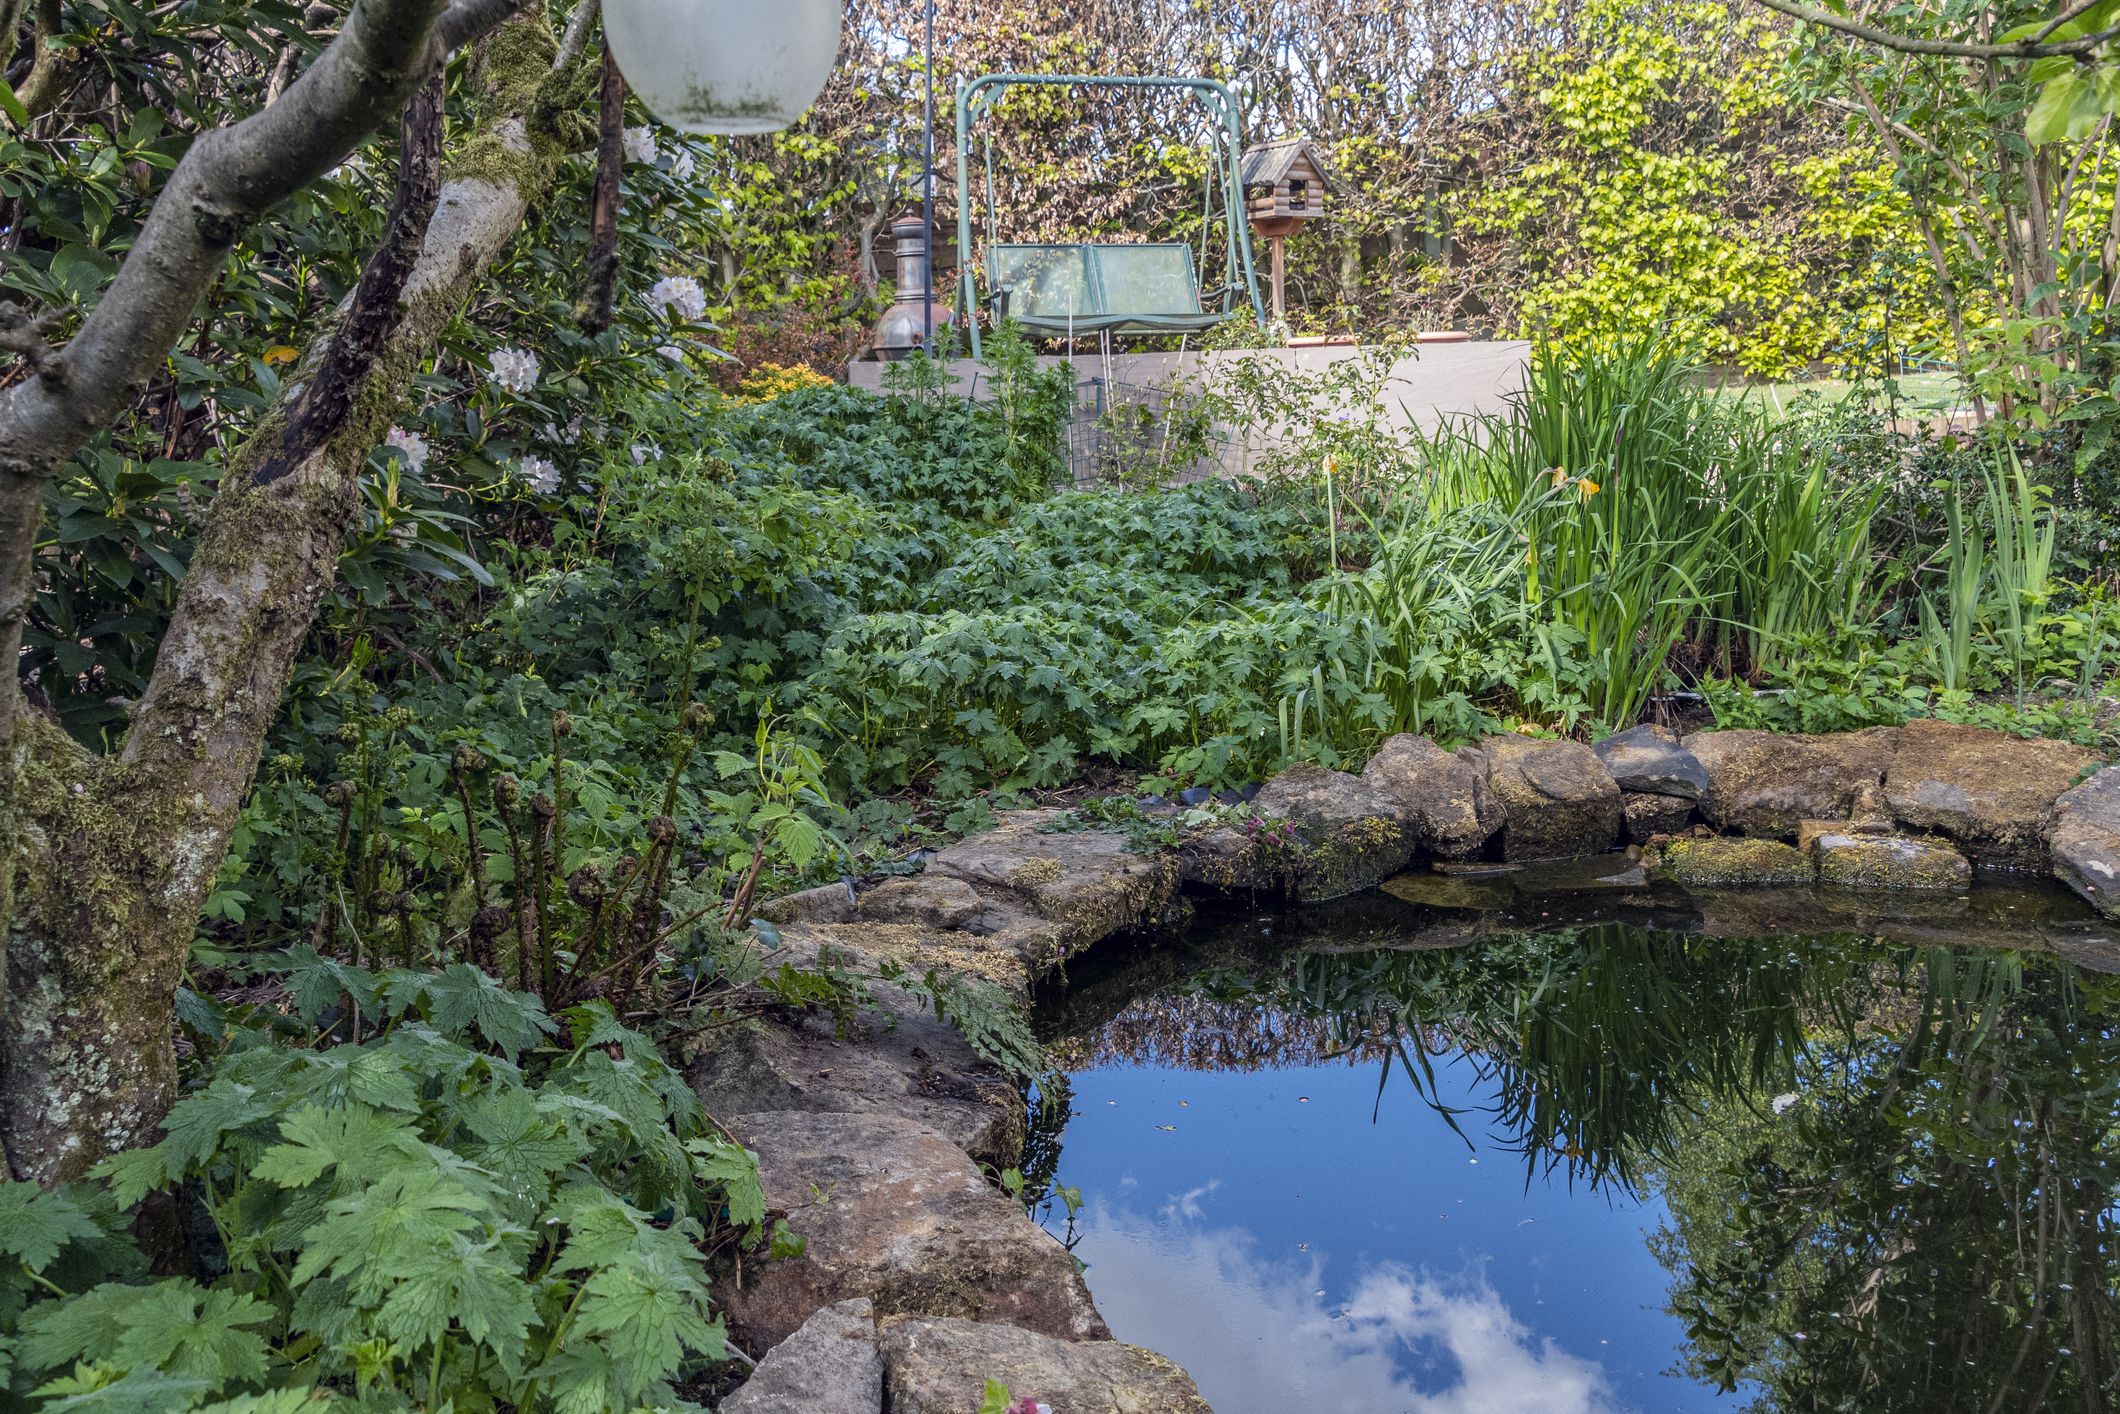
{"type": "Point", "coordinates": [461, 998]}
{"type": "Point", "coordinates": [648, 1313]}
{"type": "Point", "coordinates": [358, 1141]}
{"type": "Point", "coordinates": [465, 1282]}
{"type": "Point", "coordinates": [34, 1224]}
{"type": "Point", "coordinates": [733, 1169]}
{"type": "Point", "coordinates": [175, 1326]}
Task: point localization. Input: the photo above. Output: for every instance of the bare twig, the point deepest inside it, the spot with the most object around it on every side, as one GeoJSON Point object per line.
{"type": "Point", "coordinates": [1947, 48]}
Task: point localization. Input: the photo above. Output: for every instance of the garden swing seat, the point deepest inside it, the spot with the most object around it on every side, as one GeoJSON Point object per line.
{"type": "Point", "coordinates": [1063, 289]}
{"type": "Point", "coordinates": [1058, 290]}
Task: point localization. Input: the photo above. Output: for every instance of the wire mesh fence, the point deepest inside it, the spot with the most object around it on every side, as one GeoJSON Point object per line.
{"type": "Point", "coordinates": [1138, 434]}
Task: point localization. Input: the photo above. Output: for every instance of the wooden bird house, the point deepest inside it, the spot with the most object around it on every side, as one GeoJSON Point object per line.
{"type": "Point", "coordinates": [1285, 184]}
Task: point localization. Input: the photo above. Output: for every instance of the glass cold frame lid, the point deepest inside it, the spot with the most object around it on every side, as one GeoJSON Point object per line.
{"type": "Point", "coordinates": [1596, 1169]}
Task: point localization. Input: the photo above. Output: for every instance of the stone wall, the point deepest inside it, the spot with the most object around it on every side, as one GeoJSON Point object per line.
{"type": "Point", "coordinates": [921, 1278]}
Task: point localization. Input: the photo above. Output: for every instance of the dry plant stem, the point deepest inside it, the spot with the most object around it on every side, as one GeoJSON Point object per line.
{"type": "Point", "coordinates": [740, 906]}
{"type": "Point", "coordinates": [474, 848]}
{"type": "Point", "coordinates": [537, 891]}
{"type": "Point", "coordinates": [521, 910]}
{"type": "Point", "coordinates": [322, 929]}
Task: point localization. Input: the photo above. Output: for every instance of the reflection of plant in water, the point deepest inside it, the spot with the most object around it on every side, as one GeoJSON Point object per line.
{"type": "Point", "coordinates": [1593, 1040]}
{"type": "Point", "coordinates": [1922, 1217]}
{"type": "Point", "coordinates": [1931, 1227]}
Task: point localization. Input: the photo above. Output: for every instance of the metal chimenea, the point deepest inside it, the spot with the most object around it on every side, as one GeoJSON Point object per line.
{"type": "Point", "coordinates": [905, 325]}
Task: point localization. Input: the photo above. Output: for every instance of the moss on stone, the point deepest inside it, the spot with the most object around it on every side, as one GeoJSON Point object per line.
{"type": "Point", "coordinates": [1889, 862]}
{"type": "Point", "coordinates": [1725, 863]}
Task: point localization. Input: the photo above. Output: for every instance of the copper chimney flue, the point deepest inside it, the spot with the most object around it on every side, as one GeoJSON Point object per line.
{"type": "Point", "coordinates": [904, 326]}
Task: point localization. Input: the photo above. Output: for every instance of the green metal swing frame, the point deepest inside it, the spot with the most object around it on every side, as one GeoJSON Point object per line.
{"type": "Point", "coordinates": [1061, 290]}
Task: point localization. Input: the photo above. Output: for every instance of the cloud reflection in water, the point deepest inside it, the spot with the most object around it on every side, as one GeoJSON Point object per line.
{"type": "Point", "coordinates": [1261, 1338]}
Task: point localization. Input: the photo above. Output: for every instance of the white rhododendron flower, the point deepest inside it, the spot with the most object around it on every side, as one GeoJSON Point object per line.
{"type": "Point", "coordinates": [539, 475]}
{"type": "Point", "coordinates": [679, 295]}
{"type": "Point", "coordinates": [412, 445]}
{"type": "Point", "coordinates": [640, 144]}
{"type": "Point", "coordinates": [672, 352]}
{"type": "Point", "coordinates": [560, 436]}
{"type": "Point", "coordinates": [681, 164]}
{"type": "Point", "coordinates": [513, 369]}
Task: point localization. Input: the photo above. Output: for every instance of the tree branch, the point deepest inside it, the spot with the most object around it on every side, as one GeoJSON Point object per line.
{"type": "Point", "coordinates": [600, 281]}
{"type": "Point", "coordinates": [372, 314]}
{"type": "Point", "coordinates": [229, 178]}
{"type": "Point", "coordinates": [575, 41]}
{"type": "Point", "coordinates": [270, 547]}
{"type": "Point", "coordinates": [51, 66]}
{"type": "Point", "coordinates": [1947, 48]}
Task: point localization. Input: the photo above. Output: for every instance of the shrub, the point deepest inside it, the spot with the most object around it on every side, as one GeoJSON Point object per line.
{"type": "Point", "coordinates": [451, 1211]}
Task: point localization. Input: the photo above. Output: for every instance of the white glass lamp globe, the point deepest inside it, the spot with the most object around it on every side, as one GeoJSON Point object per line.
{"type": "Point", "coordinates": [724, 66]}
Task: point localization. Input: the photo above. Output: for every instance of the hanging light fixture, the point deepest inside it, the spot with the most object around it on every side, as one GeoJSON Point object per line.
{"type": "Point", "coordinates": [724, 66]}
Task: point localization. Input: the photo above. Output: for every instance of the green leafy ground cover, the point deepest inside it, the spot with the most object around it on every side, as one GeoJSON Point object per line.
{"type": "Point", "coordinates": [834, 624]}
{"type": "Point", "coordinates": [888, 587]}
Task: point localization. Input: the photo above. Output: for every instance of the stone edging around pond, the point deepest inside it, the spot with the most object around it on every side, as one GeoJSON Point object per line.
{"type": "Point", "coordinates": [920, 1278]}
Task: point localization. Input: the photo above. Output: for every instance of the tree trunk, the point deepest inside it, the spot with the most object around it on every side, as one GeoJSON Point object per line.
{"type": "Point", "coordinates": [112, 858]}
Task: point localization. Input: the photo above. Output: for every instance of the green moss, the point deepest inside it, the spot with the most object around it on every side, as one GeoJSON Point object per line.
{"type": "Point", "coordinates": [1889, 862]}
{"type": "Point", "coordinates": [549, 110]}
{"type": "Point", "coordinates": [1726, 863]}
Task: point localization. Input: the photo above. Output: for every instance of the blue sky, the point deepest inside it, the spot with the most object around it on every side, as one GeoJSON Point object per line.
{"type": "Point", "coordinates": [1295, 1256]}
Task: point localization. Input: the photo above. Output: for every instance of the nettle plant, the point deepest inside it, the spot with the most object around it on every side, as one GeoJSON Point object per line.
{"type": "Point", "coordinates": [472, 1207]}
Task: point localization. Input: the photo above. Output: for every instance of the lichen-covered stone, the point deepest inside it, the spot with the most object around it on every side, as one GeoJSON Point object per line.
{"type": "Point", "coordinates": [1556, 796]}
{"type": "Point", "coordinates": [891, 1210]}
{"type": "Point", "coordinates": [942, 1366]}
{"type": "Point", "coordinates": [2085, 840]}
{"type": "Point", "coordinates": [1807, 831]}
{"type": "Point", "coordinates": [1725, 863]}
{"type": "Point", "coordinates": [1353, 837]}
{"type": "Point", "coordinates": [1989, 793]}
{"type": "Point", "coordinates": [934, 900]}
{"type": "Point", "coordinates": [1650, 760]}
{"type": "Point", "coordinates": [1454, 813]}
{"type": "Point", "coordinates": [1888, 862]}
{"type": "Point", "coordinates": [1764, 783]}
{"type": "Point", "coordinates": [904, 1062]}
{"type": "Point", "coordinates": [1087, 883]}
{"type": "Point", "coordinates": [829, 1366]}
{"type": "Point", "coordinates": [1232, 860]}
{"type": "Point", "coordinates": [1647, 815]}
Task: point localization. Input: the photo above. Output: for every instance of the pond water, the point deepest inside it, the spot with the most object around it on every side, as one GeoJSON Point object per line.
{"type": "Point", "coordinates": [1370, 1158]}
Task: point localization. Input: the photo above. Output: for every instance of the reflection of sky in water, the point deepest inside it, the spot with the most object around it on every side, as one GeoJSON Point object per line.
{"type": "Point", "coordinates": [1298, 1259]}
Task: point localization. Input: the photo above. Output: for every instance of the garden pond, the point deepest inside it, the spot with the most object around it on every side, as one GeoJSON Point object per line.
{"type": "Point", "coordinates": [1479, 1144]}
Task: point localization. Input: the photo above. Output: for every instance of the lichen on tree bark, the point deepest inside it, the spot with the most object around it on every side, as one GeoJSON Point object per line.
{"type": "Point", "coordinates": [105, 862]}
